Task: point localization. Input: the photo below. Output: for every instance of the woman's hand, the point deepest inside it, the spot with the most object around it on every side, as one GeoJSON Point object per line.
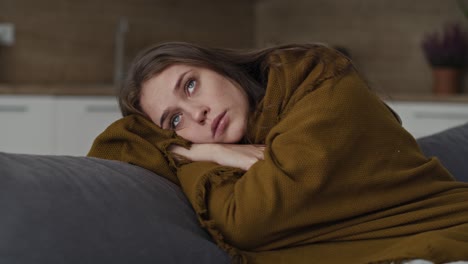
{"type": "Point", "coordinates": [238, 156]}
{"type": "Point", "coordinates": [232, 155]}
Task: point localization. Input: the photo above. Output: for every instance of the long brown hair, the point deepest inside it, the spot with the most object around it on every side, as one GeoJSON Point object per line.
{"type": "Point", "coordinates": [248, 69]}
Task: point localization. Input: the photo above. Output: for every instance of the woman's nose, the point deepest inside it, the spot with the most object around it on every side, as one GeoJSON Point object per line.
{"type": "Point", "coordinates": [200, 114]}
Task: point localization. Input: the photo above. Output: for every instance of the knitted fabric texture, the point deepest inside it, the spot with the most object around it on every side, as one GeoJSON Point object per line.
{"type": "Point", "coordinates": [341, 180]}
{"type": "Point", "coordinates": [138, 141]}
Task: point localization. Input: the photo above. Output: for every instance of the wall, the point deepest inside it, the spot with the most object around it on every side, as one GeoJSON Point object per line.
{"type": "Point", "coordinates": [72, 42]}
{"type": "Point", "coordinates": [382, 36]}
{"type": "Point", "coordinates": [68, 41]}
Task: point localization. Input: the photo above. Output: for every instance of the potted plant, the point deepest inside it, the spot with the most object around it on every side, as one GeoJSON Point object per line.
{"type": "Point", "coordinates": [447, 55]}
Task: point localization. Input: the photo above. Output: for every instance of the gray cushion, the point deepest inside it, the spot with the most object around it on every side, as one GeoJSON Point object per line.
{"type": "Point", "coordinates": [451, 148]}
{"type": "Point", "coordinates": [57, 209]}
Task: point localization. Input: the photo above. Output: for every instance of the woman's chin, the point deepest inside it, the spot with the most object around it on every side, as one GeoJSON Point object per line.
{"type": "Point", "coordinates": [233, 138]}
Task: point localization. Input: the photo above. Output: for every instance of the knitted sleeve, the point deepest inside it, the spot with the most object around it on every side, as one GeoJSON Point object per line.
{"type": "Point", "coordinates": [136, 140]}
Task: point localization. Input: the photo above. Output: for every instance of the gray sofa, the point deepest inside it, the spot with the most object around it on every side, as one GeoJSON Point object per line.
{"type": "Point", "coordinates": [59, 209]}
{"type": "Point", "coordinates": [451, 148]}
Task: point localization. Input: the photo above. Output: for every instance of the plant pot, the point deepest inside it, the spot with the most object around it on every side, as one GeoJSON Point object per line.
{"type": "Point", "coordinates": [446, 80]}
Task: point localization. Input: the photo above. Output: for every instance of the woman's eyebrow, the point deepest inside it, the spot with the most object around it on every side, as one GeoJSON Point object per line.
{"type": "Point", "coordinates": [175, 90]}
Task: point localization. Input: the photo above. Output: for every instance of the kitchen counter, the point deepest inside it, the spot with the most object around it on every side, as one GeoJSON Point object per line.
{"type": "Point", "coordinates": [58, 89]}
{"type": "Point", "coordinates": [108, 90]}
{"type": "Point", "coordinates": [456, 98]}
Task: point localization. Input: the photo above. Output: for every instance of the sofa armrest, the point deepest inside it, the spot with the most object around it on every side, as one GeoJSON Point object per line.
{"type": "Point", "coordinates": [451, 148]}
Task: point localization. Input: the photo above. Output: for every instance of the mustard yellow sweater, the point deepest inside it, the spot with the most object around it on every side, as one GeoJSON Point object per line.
{"type": "Point", "coordinates": [342, 181]}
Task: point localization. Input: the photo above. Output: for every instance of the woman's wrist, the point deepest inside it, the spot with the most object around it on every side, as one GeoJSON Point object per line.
{"type": "Point", "coordinates": [204, 152]}
{"type": "Point", "coordinates": [198, 152]}
{"type": "Point", "coordinates": [233, 155]}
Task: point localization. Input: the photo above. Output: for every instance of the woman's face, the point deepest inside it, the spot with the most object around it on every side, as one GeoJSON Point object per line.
{"type": "Point", "coordinates": [201, 105]}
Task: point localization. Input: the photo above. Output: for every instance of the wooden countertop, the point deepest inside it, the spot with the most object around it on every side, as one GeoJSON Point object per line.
{"type": "Point", "coordinates": [456, 98]}
{"type": "Point", "coordinates": [58, 89]}
{"type": "Point", "coordinates": [108, 90]}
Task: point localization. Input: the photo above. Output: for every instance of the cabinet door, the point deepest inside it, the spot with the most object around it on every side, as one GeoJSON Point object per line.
{"type": "Point", "coordinates": [424, 118]}
{"type": "Point", "coordinates": [27, 124]}
{"type": "Point", "coordinates": [80, 120]}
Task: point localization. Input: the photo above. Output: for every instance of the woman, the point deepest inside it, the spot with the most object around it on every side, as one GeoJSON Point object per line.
{"type": "Point", "coordinates": [322, 165]}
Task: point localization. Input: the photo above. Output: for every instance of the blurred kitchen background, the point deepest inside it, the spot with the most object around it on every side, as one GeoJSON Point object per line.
{"type": "Point", "coordinates": [59, 50]}
{"type": "Point", "coordinates": [73, 42]}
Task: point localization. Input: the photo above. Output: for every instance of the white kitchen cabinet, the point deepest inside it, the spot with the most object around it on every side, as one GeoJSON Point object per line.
{"type": "Point", "coordinates": [426, 118]}
{"type": "Point", "coordinates": [64, 125]}
{"type": "Point", "coordinates": [80, 120]}
{"type": "Point", "coordinates": [56, 125]}
{"type": "Point", "coordinates": [27, 124]}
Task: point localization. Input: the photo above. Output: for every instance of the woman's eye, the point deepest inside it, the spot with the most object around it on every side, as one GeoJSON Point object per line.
{"type": "Point", "coordinates": [190, 86]}
{"type": "Point", "coordinates": [175, 120]}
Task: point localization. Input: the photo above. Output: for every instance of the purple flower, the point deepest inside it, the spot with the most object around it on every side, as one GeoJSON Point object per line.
{"type": "Point", "coordinates": [448, 49]}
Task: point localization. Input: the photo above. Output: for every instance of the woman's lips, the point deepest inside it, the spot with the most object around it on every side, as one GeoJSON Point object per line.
{"type": "Point", "coordinates": [219, 124]}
